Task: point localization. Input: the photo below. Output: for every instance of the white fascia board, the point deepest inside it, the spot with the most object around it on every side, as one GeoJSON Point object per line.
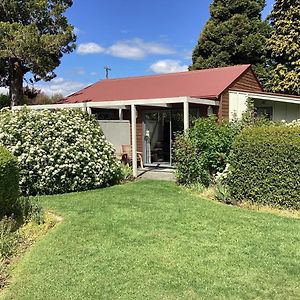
{"type": "Point", "coordinates": [51, 106]}
{"type": "Point", "coordinates": [124, 104]}
{"type": "Point", "coordinates": [266, 97]}
{"type": "Point", "coordinates": [203, 101]}
{"type": "Point", "coordinates": [113, 107]}
{"type": "Point", "coordinates": [143, 102]}
{"type": "Point", "coordinates": [160, 105]}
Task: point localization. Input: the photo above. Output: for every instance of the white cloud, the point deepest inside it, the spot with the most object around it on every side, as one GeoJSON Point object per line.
{"type": "Point", "coordinates": [168, 66]}
{"type": "Point", "coordinates": [131, 49]}
{"type": "Point", "coordinates": [124, 50]}
{"type": "Point", "coordinates": [137, 49]}
{"type": "Point", "coordinates": [90, 48]}
{"type": "Point", "coordinates": [60, 86]}
{"type": "Point", "coordinates": [58, 80]}
{"type": "Point", "coordinates": [94, 73]}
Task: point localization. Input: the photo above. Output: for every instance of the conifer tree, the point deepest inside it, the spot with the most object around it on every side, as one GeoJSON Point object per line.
{"type": "Point", "coordinates": [284, 45]}
{"type": "Point", "coordinates": [235, 34]}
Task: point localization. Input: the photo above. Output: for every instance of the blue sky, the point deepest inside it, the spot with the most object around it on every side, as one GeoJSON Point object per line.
{"type": "Point", "coordinates": [133, 37]}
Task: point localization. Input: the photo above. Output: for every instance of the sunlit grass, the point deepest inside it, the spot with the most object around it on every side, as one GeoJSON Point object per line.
{"type": "Point", "coordinates": [154, 240]}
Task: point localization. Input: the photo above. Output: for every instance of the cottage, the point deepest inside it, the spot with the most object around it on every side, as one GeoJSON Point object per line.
{"type": "Point", "coordinates": [147, 111]}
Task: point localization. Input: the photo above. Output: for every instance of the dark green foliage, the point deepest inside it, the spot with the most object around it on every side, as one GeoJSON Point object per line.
{"type": "Point", "coordinates": [235, 34]}
{"type": "Point", "coordinates": [265, 166]}
{"type": "Point", "coordinates": [9, 181]}
{"type": "Point", "coordinates": [284, 46]}
{"type": "Point", "coordinates": [213, 141]}
{"type": "Point", "coordinates": [28, 209]}
{"type": "Point", "coordinates": [190, 167]}
{"type": "Point", "coordinates": [4, 101]}
{"type": "Point", "coordinates": [34, 36]}
{"type": "Point", "coordinates": [204, 151]}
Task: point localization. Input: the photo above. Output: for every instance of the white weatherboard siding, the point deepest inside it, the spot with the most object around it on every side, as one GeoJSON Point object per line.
{"type": "Point", "coordinates": [287, 108]}
{"type": "Point", "coordinates": [237, 105]}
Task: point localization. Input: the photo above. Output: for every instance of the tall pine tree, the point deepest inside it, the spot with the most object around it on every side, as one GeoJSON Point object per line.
{"type": "Point", "coordinates": [284, 45]}
{"type": "Point", "coordinates": [235, 34]}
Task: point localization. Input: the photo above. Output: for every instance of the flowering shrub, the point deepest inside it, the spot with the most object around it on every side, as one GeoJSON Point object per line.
{"type": "Point", "coordinates": [58, 152]}
{"type": "Point", "coordinates": [293, 123]}
{"type": "Point", "coordinates": [204, 151]}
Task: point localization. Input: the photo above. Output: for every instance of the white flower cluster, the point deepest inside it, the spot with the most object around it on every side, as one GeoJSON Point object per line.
{"type": "Point", "coordinates": [59, 151]}
{"type": "Point", "coordinates": [220, 177]}
{"type": "Point", "coordinates": [294, 123]}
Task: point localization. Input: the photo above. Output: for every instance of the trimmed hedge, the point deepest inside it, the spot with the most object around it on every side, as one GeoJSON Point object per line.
{"type": "Point", "coordinates": [9, 181]}
{"type": "Point", "coordinates": [265, 166]}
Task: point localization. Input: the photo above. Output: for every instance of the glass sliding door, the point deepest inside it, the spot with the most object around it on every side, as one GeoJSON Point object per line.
{"type": "Point", "coordinates": [160, 128]}
{"type": "Point", "coordinates": [157, 137]}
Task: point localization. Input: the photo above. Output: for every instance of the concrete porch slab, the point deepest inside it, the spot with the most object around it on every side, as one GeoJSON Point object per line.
{"type": "Point", "coordinates": [155, 173]}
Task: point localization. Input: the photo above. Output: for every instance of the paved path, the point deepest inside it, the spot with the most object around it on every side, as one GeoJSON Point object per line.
{"type": "Point", "coordinates": [157, 174]}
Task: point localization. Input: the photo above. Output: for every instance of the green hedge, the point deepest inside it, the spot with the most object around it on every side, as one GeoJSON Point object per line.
{"type": "Point", "coordinates": [9, 181]}
{"type": "Point", "coordinates": [265, 166]}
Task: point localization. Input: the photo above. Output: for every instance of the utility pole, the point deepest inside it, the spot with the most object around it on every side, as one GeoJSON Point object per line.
{"type": "Point", "coordinates": [107, 69]}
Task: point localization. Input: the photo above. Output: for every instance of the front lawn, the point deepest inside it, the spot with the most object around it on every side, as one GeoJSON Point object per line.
{"type": "Point", "coordinates": [153, 240]}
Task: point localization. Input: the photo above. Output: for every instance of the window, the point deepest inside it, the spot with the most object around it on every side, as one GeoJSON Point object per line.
{"type": "Point", "coordinates": [266, 112]}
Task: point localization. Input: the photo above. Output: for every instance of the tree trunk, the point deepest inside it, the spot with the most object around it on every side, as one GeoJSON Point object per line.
{"type": "Point", "coordinates": [16, 76]}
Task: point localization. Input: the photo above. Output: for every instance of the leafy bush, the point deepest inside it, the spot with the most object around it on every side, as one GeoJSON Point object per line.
{"type": "Point", "coordinates": [190, 167]}
{"type": "Point", "coordinates": [222, 194]}
{"type": "Point", "coordinates": [4, 101]}
{"type": "Point", "coordinates": [9, 181]}
{"type": "Point", "coordinates": [204, 151]}
{"type": "Point", "coordinates": [265, 166]}
{"type": "Point", "coordinates": [28, 209]}
{"type": "Point", "coordinates": [58, 152]}
{"type": "Point", "coordinates": [126, 172]}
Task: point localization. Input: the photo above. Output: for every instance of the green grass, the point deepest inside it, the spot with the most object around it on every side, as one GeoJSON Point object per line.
{"type": "Point", "coordinates": [153, 240]}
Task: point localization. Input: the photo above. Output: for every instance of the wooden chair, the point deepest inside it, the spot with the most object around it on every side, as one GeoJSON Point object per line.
{"type": "Point", "coordinates": [127, 155]}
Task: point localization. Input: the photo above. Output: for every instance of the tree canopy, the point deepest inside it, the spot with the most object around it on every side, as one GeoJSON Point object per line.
{"type": "Point", "coordinates": [284, 45]}
{"type": "Point", "coordinates": [34, 35]}
{"type": "Point", "coordinates": [235, 34]}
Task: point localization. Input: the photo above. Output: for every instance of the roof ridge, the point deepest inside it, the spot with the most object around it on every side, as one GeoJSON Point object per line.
{"type": "Point", "coordinates": [172, 74]}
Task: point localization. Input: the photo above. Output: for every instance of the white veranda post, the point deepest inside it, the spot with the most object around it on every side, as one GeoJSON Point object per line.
{"type": "Point", "coordinates": [133, 140]}
{"type": "Point", "coordinates": [186, 115]}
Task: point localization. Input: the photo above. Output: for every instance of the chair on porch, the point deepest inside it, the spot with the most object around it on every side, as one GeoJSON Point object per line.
{"type": "Point", "coordinates": [127, 155]}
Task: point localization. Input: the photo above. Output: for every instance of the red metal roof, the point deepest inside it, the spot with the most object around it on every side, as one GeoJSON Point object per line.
{"type": "Point", "coordinates": [208, 83]}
